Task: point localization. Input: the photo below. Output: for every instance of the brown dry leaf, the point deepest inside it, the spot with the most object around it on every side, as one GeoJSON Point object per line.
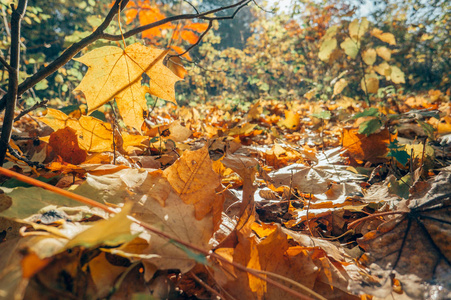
{"type": "Point", "coordinates": [279, 156]}
{"type": "Point", "coordinates": [182, 202]}
{"type": "Point", "coordinates": [246, 167]}
{"type": "Point", "coordinates": [270, 251]}
{"type": "Point", "coordinates": [271, 255]}
{"type": "Point", "coordinates": [370, 83]}
{"type": "Point", "coordinates": [162, 207]}
{"type": "Point", "coordinates": [12, 282]}
{"type": "Point", "coordinates": [255, 111]}
{"type": "Point", "coordinates": [176, 66]}
{"type": "Point", "coordinates": [415, 244]}
{"type": "Point", "coordinates": [316, 179]}
{"type": "Point", "coordinates": [178, 133]}
{"type": "Point", "coordinates": [114, 73]}
{"type": "Point", "coordinates": [64, 143]}
{"type": "Point", "coordinates": [104, 274]}
{"type": "Point", "coordinates": [370, 148]}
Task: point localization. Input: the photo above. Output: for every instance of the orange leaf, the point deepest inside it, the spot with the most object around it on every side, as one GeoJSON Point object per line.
{"type": "Point", "coordinates": [93, 134]}
{"type": "Point", "coordinates": [194, 180]}
{"type": "Point", "coordinates": [65, 144]}
{"type": "Point", "coordinates": [198, 27]}
{"type": "Point", "coordinates": [32, 264]}
{"type": "Point", "coordinates": [189, 36]}
{"type": "Point", "coordinates": [175, 64]}
{"type": "Point", "coordinates": [370, 148]}
{"type": "Point", "coordinates": [180, 50]}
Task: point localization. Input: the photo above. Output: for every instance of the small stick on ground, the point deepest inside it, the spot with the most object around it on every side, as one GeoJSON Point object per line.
{"type": "Point", "coordinates": [14, 153]}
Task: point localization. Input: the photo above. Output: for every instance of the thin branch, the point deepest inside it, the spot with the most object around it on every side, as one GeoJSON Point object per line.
{"type": "Point", "coordinates": [149, 227]}
{"type": "Point", "coordinates": [273, 11]}
{"type": "Point", "coordinates": [190, 4]}
{"type": "Point", "coordinates": [210, 25]}
{"type": "Point", "coordinates": [5, 63]}
{"type": "Point", "coordinates": [206, 286]}
{"type": "Point", "coordinates": [13, 84]}
{"type": "Point", "coordinates": [202, 16]}
{"type": "Point", "coordinates": [70, 52]}
{"type": "Point", "coordinates": [14, 153]}
{"type": "Point", "coordinates": [26, 111]}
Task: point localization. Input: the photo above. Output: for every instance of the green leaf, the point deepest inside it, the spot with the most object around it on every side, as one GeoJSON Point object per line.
{"type": "Point", "coordinates": [99, 115]}
{"type": "Point", "coordinates": [397, 152]}
{"type": "Point", "coordinates": [370, 112]}
{"type": "Point", "coordinates": [370, 126]}
{"type": "Point", "coordinates": [324, 115]}
{"type": "Point", "coordinates": [200, 258]}
{"type": "Point", "coordinates": [15, 183]}
{"type": "Point", "coordinates": [41, 85]}
{"type": "Point", "coordinates": [264, 87]}
{"type": "Point", "coordinates": [401, 187]}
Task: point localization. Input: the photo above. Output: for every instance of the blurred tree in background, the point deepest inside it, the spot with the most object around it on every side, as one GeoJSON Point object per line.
{"type": "Point", "coordinates": [257, 54]}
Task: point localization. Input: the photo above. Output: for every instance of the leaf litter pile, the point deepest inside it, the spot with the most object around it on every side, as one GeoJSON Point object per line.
{"type": "Point", "coordinates": [270, 200]}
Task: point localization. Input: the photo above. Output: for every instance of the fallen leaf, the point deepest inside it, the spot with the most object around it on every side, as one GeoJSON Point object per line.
{"type": "Point", "coordinates": [362, 148]}
{"type": "Point", "coordinates": [339, 86]}
{"type": "Point", "coordinates": [415, 244]}
{"type": "Point", "coordinates": [64, 143]}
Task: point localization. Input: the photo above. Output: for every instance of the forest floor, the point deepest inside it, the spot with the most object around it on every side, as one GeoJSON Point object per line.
{"type": "Point", "coordinates": [271, 200]}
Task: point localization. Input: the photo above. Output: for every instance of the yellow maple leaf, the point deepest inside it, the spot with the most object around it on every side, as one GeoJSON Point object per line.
{"type": "Point", "coordinates": [116, 73]}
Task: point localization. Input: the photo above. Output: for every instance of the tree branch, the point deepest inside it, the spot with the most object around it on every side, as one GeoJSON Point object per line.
{"type": "Point", "coordinates": [202, 16]}
{"type": "Point", "coordinates": [210, 24]}
{"type": "Point", "coordinates": [70, 52]}
{"type": "Point", "coordinates": [5, 63]}
{"type": "Point", "coordinates": [13, 84]}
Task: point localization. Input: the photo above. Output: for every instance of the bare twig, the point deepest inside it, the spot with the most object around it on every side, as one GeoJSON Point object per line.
{"type": "Point", "coordinates": [14, 153]}
{"type": "Point", "coordinates": [26, 111]}
{"type": "Point", "coordinates": [5, 63]}
{"type": "Point", "coordinates": [211, 254]}
{"type": "Point", "coordinates": [210, 24]}
{"type": "Point", "coordinates": [206, 286]}
{"type": "Point", "coordinates": [190, 4]}
{"type": "Point", "coordinates": [202, 16]}
{"type": "Point", "coordinates": [13, 84]}
{"type": "Point", "coordinates": [99, 33]}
